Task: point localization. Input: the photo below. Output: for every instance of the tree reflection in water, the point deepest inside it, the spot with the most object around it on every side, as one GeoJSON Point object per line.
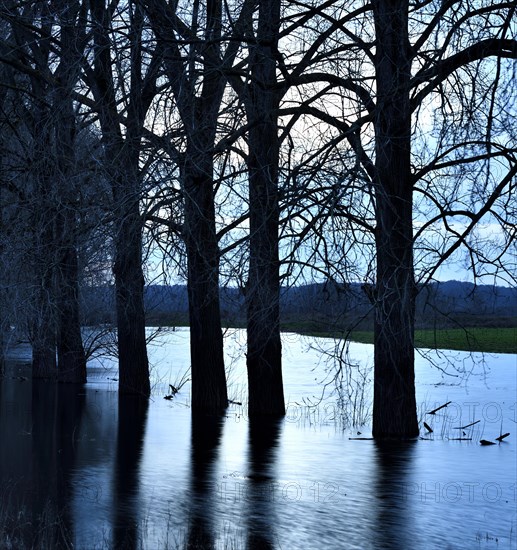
{"type": "Point", "coordinates": [132, 418]}
{"type": "Point", "coordinates": [394, 464]}
{"type": "Point", "coordinates": [205, 441]}
{"type": "Point", "coordinates": [57, 411]}
{"type": "Point", "coordinates": [40, 423]}
{"type": "Point", "coordinates": [263, 439]}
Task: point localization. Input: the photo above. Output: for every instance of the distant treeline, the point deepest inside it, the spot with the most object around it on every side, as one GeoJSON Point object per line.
{"type": "Point", "coordinates": [323, 307]}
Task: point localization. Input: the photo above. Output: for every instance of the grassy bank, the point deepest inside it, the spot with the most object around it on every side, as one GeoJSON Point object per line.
{"type": "Point", "coordinates": [490, 340]}
{"type": "Point", "coordinates": [485, 339]}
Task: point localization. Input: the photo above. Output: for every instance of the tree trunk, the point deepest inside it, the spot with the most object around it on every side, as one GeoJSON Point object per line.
{"type": "Point", "coordinates": [264, 357]}
{"type": "Point", "coordinates": [44, 363]}
{"type": "Point", "coordinates": [394, 407]}
{"type": "Point", "coordinates": [199, 69]}
{"type": "Point", "coordinates": [206, 339]}
{"type": "Point", "coordinates": [43, 314]}
{"type": "Point", "coordinates": [70, 350]}
{"type": "Point", "coordinates": [129, 287]}
{"type": "Point", "coordinates": [5, 319]}
{"type": "Point", "coordinates": [122, 154]}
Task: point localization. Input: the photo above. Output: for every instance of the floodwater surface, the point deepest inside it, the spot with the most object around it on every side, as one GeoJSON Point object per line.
{"type": "Point", "coordinates": [83, 468]}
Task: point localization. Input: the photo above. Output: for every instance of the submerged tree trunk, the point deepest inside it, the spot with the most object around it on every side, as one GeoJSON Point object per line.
{"type": "Point", "coordinates": [264, 357]}
{"type": "Point", "coordinates": [197, 82]}
{"type": "Point", "coordinates": [4, 268]}
{"type": "Point", "coordinates": [129, 287]}
{"type": "Point", "coordinates": [44, 364]}
{"type": "Point", "coordinates": [70, 350]}
{"type": "Point", "coordinates": [394, 407]}
{"type": "Point", "coordinates": [43, 307]}
{"type": "Point", "coordinates": [43, 326]}
{"type": "Point", "coordinates": [209, 391]}
{"type": "Point", "coordinates": [122, 154]}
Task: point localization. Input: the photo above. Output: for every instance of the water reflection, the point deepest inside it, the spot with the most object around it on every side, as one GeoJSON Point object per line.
{"type": "Point", "coordinates": [39, 425]}
{"type": "Point", "coordinates": [205, 442]}
{"type": "Point", "coordinates": [263, 439]}
{"type": "Point", "coordinates": [15, 457]}
{"type": "Point", "coordinates": [192, 483]}
{"type": "Point", "coordinates": [44, 462]}
{"type": "Point", "coordinates": [71, 403]}
{"type": "Point", "coordinates": [132, 417]}
{"type": "Point", "coordinates": [394, 520]}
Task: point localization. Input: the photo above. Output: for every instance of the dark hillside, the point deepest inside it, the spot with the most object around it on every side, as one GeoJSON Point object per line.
{"type": "Point", "coordinates": [327, 307]}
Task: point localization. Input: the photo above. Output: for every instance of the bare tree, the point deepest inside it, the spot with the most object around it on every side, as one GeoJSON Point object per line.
{"type": "Point", "coordinates": [123, 91]}
{"type": "Point", "coordinates": [71, 18]}
{"type": "Point", "coordinates": [413, 57]}
{"type": "Point", "coordinates": [400, 92]}
{"type": "Point", "coordinates": [262, 99]}
{"type": "Point", "coordinates": [41, 56]}
{"type": "Point", "coordinates": [196, 67]}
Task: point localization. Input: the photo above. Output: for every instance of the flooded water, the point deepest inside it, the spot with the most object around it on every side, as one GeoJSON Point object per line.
{"type": "Point", "coordinates": [82, 468]}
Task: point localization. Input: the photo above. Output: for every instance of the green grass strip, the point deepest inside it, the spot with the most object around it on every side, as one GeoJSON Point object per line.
{"type": "Point", "coordinates": [489, 340]}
